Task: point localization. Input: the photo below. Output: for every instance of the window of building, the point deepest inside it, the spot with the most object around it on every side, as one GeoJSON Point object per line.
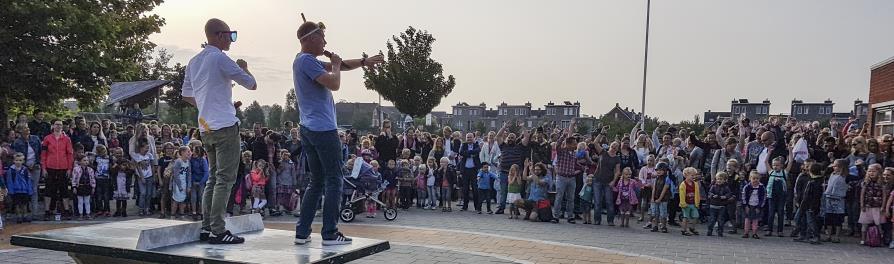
{"type": "Point", "coordinates": [799, 109]}
{"type": "Point", "coordinates": [566, 123]}
{"type": "Point", "coordinates": [550, 111]}
{"type": "Point", "coordinates": [806, 110]}
{"type": "Point", "coordinates": [457, 112]}
{"type": "Point", "coordinates": [530, 124]}
{"type": "Point", "coordinates": [493, 123]}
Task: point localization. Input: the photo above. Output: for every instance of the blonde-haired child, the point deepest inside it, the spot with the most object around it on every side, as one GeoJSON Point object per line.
{"type": "Point", "coordinates": [753, 196]}
{"type": "Point", "coordinates": [689, 200]}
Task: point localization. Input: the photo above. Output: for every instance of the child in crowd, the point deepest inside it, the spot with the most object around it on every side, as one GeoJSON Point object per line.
{"type": "Point", "coordinates": [871, 200]}
{"type": "Point", "coordinates": [3, 192]}
{"type": "Point", "coordinates": [258, 179]}
{"type": "Point", "coordinates": [422, 173]}
{"type": "Point", "coordinates": [83, 180]}
{"type": "Point", "coordinates": [145, 178]}
{"type": "Point", "coordinates": [389, 176]}
{"type": "Point", "coordinates": [660, 196]}
{"type": "Point", "coordinates": [431, 187]}
{"type": "Point", "coordinates": [513, 195]}
{"type": "Point", "coordinates": [808, 201]}
{"type": "Point", "coordinates": [405, 184]}
{"type": "Point", "coordinates": [180, 182]}
{"type": "Point", "coordinates": [753, 198]}
{"type": "Point", "coordinates": [586, 200]}
{"type": "Point", "coordinates": [374, 179]}
{"type": "Point", "coordinates": [689, 200]}
{"type": "Point", "coordinates": [102, 163]}
{"type": "Point", "coordinates": [123, 173]}
{"type": "Point", "coordinates": [834, 200]}
{"type": "Point", "coordinates": [18, 186]}
{"type": "Point", "coordinates": [484, 179]}
{"type": "Point", "coordinates": [286, 175]}
{"type": "Point", "coordinates": [626, 189]}
{"type": "Point", "coordinates": [647, 177]}
{"type": "Point", "coordinates": [718, 198]}
{"type": "Point", "coordinates": [198, 163]}
{"type": "Point", "coordinates": [776, 197]}
{"type": "Point", "coordinates": [800, 183]}
{"type": "Point", "coordinates": [735, 180]}
{"type": "Point", "coordinates": [889, 210]}
{"type": "Point", "coordinates": [164, 179]}
{"type": "Point", "coordinates": [446, 176]}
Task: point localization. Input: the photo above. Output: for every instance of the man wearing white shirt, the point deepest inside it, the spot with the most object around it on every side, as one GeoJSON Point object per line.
{"type": "Point", "coordinates": [207, 85]}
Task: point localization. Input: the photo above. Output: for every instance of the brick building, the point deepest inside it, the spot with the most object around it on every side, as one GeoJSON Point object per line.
{"type": "Point", "coordinates": [751, 110]}
{"type": "Point", "coordinates": [881, 98]}
{"type": "Point", "coordinates": [467, 117]}
{"type": "Point", "coordinates": [810, 111]}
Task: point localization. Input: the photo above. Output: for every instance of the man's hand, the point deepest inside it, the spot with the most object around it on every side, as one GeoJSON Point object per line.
{"type": "Point", "coordinates": [375, 60]}
{"type": "Point", "coordinates": [242, 64]}
{"type": "Point", "coordinates": [335, 60]}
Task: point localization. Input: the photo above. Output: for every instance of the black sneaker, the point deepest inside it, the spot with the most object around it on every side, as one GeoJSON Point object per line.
{"type": "Point", "coordinates": [338, 240]}
{"type": "Point", "coordinates": [571, 220]}
{"type": "Point", "coordinates": [225, 238]}
{"type": "Point", "coordinates": [204, 234]}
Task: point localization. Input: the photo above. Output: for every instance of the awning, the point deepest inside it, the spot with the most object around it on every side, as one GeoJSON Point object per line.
{"type": "Point", "coordinates": [129, 92]}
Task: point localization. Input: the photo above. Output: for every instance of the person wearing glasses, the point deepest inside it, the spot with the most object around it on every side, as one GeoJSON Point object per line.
{"type": "Point", "coordinates": [314, 82]}
{"type": "Point", "coordinates": [207, 85]}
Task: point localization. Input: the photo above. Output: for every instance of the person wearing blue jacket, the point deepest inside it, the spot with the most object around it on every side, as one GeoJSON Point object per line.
{"type": "Point", "coordinates": [199, 166]}
{"type": "Point", "coordinates": [485, 176]}
{"type": "Point", "coordinates": [18, 183]}
{"type": "Point", "coordinates": [30, 146]}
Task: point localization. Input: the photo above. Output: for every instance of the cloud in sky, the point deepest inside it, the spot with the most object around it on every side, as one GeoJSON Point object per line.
{"type": "Point", "coordinates": [702, 53]}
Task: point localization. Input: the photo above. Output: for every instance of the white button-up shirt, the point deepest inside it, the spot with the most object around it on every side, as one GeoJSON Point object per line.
{"type": "Point", "coordinates": [208, 79]}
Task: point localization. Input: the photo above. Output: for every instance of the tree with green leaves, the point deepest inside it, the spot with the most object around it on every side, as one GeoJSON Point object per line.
{"type": "Point", "coordinates": [274, 117]}
{"type": "Point", "coordinates": [254, 114]}
{"type": "Point", "coordinates": [60, 49]}
{"type": "Point", "coordinates": [176, 105]}
{"type": "Point", "coordinates": [410, 78]}
{"type": "Point", "coordinates": [290, 112]}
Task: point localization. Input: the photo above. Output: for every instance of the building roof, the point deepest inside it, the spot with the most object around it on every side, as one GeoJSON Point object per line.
{"type": "Point", "coordinates": [882, 63]}
{"type": "Point", "coordinates": [129, 92]}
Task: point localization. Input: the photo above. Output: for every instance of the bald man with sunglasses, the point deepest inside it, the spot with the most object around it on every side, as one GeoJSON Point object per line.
{"type": "Point", "coordinates": [207, 85]}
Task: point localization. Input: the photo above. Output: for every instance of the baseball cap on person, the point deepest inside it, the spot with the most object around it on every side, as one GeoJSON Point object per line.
{"type": "Point", "coordinates": [662, 166]}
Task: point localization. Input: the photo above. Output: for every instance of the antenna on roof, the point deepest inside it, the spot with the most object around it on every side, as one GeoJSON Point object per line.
{"type": "Point", "coordinates": [302, 18]}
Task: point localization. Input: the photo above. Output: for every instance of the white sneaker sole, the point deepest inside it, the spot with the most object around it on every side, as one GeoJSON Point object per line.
{"type": "Point", "coordinates": [335, 243]}
{"type": "Point", "coordinates": [299, 241]}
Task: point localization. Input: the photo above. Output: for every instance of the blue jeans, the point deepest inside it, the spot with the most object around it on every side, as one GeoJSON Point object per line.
{"type": "Point", "coordinates": [807, 228]}
{"type": "Point", "coordinates": [565, 190]}
{"type": "Point", "coordinates": [324, 158]}
{"type": "Point", "coordinates": [147, 192]}
{"type": "Point", "coordinates": [716, 216]}
{"type": "Point", "coordinates": [501, 189]}
{"type": "Point", "coordinates": [777, 209]}
{"type": "Point", "coordinates": [603, 199]}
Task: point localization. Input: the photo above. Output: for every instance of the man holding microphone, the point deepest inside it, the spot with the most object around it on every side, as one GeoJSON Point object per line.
{"type": "Point", "coordinates": [314, 82]}
{"type": "Point", "coordinates": [207, 85]}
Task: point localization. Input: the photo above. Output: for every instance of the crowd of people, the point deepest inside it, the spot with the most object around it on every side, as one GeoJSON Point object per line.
{"type": "Point", "coordinates": [762, 177]}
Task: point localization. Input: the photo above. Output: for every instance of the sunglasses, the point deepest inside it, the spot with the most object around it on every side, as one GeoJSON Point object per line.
{"type": "Point", "coordinates": [232, 35]}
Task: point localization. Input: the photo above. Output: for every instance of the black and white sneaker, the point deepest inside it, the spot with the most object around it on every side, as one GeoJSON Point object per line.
{"type": "Point", "coordinates": [204, 234]}
{"type": "Point", "coordinates": [301, 241]}
{"type": "Point", "coordinates": [339, 239]}
{"type": "Point", "coordinates": [225, 238]}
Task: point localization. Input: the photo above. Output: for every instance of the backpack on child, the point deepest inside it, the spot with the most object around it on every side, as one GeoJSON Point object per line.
{"type": "Point", "coordinates": [873, 236]}
{"type": "Point", "coordinates": [84, 188]}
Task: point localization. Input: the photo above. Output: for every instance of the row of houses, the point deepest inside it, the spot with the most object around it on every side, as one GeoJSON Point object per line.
{"type": "Point", "coordinates": [467, 117]}
{"type": "Point", "coordinates": [799, 109]}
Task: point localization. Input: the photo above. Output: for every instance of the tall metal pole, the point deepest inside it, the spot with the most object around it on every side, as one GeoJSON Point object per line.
{"type": "Point", "coordinates": [645, 65]}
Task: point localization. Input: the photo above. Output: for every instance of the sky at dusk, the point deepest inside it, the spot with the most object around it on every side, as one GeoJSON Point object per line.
{"type": "Point", "coordinates": [703, 53]}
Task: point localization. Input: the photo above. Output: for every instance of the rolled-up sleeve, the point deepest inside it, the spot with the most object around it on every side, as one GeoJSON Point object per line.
{"type": "Point", "coordinates": [232, 71]}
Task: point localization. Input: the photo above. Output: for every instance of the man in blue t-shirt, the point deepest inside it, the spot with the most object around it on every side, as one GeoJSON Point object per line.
{"type": "Point", "coordinates": [314, 82]}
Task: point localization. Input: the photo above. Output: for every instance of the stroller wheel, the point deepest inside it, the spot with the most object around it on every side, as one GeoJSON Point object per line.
{"type": "Point", "coordinates": [390, 214]}
{"type": "Point", "coordinates": [347, 215]}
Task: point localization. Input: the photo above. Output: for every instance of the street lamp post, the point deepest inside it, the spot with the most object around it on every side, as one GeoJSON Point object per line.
{"type": "Point", "coordinates": [645, 65]}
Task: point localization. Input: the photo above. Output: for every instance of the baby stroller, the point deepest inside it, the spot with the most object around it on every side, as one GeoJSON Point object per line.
{"type": "Point", "coordinates": [366, 188]}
